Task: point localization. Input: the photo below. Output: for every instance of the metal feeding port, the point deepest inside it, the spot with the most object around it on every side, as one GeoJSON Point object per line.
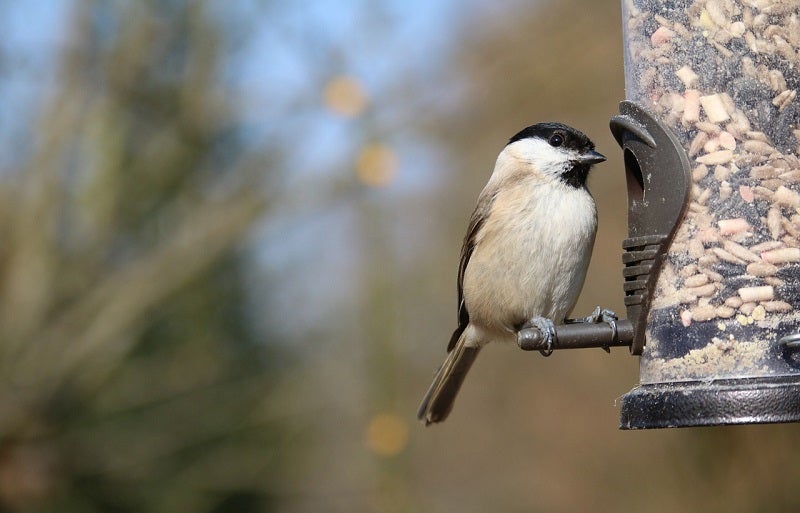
{"type": "Point", "coordinates": [658, 177]}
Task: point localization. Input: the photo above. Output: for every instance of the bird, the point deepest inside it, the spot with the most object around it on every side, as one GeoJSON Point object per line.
{"type": "Point", "coordinates": [525, 254]}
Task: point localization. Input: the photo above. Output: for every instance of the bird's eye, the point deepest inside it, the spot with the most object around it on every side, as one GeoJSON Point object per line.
{"type": "Point", "coordinates": [556, 140]}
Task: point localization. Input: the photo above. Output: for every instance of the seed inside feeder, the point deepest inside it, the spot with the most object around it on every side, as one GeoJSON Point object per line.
{"type": "Point", "coordinates": [723, 75]}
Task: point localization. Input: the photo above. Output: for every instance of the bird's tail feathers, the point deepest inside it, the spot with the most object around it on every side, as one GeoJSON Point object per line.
{"type": "Point", "coordinates": [438, 401]}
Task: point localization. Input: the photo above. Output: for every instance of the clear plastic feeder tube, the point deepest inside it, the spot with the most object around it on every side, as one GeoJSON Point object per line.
{"type": "Point", "coordinates": [724, 76]}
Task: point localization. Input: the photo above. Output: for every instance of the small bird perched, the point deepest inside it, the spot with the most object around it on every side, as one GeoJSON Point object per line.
{"type": "Point", "coordinates": [526, 251]}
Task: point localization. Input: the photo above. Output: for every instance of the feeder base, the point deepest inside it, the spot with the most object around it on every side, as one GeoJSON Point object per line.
{"type": "Point", "coordinates": [712, 403]}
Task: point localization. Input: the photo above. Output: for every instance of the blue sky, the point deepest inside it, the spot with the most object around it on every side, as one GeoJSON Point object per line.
{"type": "Point", "coordinates": [32, 34]}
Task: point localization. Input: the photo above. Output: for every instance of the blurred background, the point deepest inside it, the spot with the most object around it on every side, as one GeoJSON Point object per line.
{"type": "Point", "coordinates": [229, 235]}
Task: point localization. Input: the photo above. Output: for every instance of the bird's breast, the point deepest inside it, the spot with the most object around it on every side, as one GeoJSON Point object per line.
{"type": "Point", "coordinates": [531, 256]}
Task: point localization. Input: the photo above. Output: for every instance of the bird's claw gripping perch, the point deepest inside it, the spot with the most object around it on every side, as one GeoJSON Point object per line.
{"type": "Point", "coordinates": [548, 329]}
{"type": "Point", "coordinates": [607, 316]}
{"type": "Point", "coordinates": [603, 315]}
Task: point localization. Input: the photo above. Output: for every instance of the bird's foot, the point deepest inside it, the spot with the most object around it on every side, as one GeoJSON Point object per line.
{"type": "Point", "coordinates": [548, 329]}
{"type": "Point", "coordinates": [597, 316]}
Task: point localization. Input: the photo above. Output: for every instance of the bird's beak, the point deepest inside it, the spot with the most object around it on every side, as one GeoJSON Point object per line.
{"type": "Point", "coordinates": [591, 157]}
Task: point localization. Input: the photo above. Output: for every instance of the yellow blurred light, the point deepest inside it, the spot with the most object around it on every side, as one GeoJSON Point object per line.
{"type": "Point", "coordinates": [387, 434]}
{"type": "Point", "coordinates": [345, 96]}
{"type": "Point", "coordinates": [376, 165]}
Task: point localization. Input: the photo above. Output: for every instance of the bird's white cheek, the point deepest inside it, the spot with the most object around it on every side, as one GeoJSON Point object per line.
{"type": "Point", "coordinates": [547, 159]}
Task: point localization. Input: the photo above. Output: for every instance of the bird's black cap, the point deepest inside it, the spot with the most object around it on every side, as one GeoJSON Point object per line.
{"type": "Point", "coordinates": [573, 139]}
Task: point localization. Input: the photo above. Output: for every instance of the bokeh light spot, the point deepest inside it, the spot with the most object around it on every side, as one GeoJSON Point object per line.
{"type": "Point", "coordinates": [376, 165]}
{"type": "Point", "coordinates": [386, 434]}
{"type": "Point", "coordinates": [345, 96]}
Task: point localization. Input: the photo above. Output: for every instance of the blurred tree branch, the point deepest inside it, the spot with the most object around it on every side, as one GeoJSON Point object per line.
{"type": "Point", "coordinates": [120, 272]}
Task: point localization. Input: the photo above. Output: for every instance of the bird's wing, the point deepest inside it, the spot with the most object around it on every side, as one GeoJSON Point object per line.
{"type": "Point", "coordinates": [479, 215]}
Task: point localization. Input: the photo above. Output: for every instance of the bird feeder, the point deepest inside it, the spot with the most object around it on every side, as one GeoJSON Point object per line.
{"type": "Point", "coordinates": [719, 339]}
{"type": "Point", "coordinates": [710, 134]}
